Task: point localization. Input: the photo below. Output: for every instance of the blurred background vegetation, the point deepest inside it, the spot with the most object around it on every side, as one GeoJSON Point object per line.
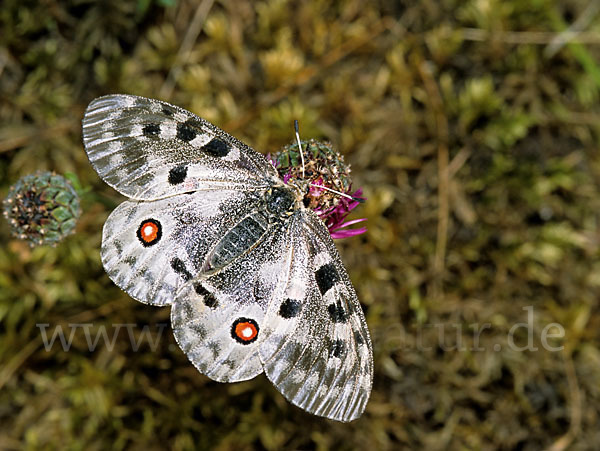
{"type": "Point", "coordinates": [473, 128]}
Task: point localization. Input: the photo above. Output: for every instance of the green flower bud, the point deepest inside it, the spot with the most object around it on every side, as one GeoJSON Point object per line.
{"type": "Point", "coordinates": [42, 208]}
{"type": "Point", "coordinates": [323, 165]}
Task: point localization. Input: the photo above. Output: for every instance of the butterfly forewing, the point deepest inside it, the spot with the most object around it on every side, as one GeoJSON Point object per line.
{"type": "Point", "coordinates": [147, 149]}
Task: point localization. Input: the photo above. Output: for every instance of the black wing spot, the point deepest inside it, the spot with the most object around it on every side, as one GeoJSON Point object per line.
{"type": "Point", "coordinates": [151, 130]}
{"type": "Point", "coordinates": [167, 111]}
{"type": "Point", "coordinates": [326, 276]}
{"type": "Point", "coordinates": [207, 297]}
{"type": "Point", "coordinates": [337, 313]}
{"type": "Point", "coordinates": [358, 338]}
{"type": "Point", "coordinates": [349, 305]}
{"type": "Point", "coordinates": [179, 267]}
{"type": "Point", "coordinates": [216, 147]}
{"type": "Point", "coordinates": [289, 308]}
{"type": "Point", "coordinates": [186, 132]}
{"type": "Point", "coordinates": [178, 174]}
{"type": "Point", "coordinates": [338, 349]}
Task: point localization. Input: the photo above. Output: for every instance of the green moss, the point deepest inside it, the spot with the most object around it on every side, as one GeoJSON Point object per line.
{"type": "Point", "coordinates": [382, 81]}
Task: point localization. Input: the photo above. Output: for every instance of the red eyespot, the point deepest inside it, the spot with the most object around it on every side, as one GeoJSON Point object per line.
{"type": "Point", "coordinates": [149, 232]}
{"type": "Point", "coordinates": [244, 330]}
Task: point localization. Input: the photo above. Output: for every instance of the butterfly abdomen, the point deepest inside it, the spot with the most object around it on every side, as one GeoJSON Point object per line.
{"type": "Point", "coordinates": [238, 240]}
{"type": "Point", "coordinates": [278, 203]}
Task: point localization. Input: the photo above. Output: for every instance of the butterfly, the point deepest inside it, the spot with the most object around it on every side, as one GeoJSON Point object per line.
{"type": "Point", "coordinates": [253, 278]}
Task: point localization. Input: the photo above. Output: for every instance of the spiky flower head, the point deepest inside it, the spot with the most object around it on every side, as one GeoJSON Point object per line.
{"type": "Point", "coordinates": [323, 166]}
{"type": "Point", "coordinates": [42, 208]}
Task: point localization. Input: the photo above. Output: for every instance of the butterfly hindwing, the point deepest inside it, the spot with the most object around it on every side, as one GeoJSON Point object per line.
{"type": "Point", "coordinates": [218, 318]}
{"type": "Point", "coordinates": [149, 249]}
{"type": "Point", "coordinates": [147, 149]}
{"type": "Point", "coordinates": [311, 340]}
{"type": "Point", "coordinates": [318, 351]}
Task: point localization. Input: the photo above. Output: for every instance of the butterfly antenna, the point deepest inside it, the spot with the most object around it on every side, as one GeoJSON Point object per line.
{"type": "Point", "coordinates": [299, 144]}
{"type": "Point", "coordinates": [355, 199]}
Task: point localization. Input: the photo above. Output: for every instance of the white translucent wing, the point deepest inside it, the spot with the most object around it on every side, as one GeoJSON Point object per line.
{"type": "Point", "coordinates": [149, 249]}
{"type": "Point", "coordinates": [147, 149]}
{"type": "Point", "coordinates": [282, 304]}
{"type": "Point", "coordinates": [209, 310]}
{"type": "Point", "coordinates": [318, 351]}
{"type": "Point", "coordinates": [311, 340]}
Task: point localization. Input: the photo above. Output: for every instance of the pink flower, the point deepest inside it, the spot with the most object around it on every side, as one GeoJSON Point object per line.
{"type": "Point", "coordinates": [332, 208]}
{"type": "Point", "coordinates": [334, 217]}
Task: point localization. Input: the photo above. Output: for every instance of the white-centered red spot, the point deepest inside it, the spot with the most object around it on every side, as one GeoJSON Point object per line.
{"type": "Point", "coordinates": [245, 330]}
{"type": "Point", "coordinates": [149, 232]}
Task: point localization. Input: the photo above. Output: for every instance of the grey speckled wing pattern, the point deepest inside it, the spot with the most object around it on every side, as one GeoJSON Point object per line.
{"type": "Point", "coordinates": [147, 149]}
{"type": "Point", "coordinates": [329, 370]}
{"type": "Point", "coordinates": [253, 278]}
